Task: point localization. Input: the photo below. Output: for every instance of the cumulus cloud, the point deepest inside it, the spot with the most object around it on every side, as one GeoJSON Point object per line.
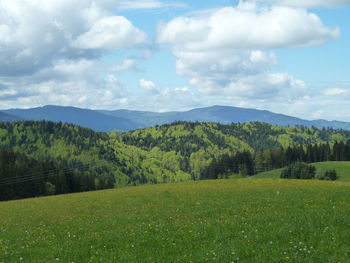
{"type": "Point", "coordinates": [66, 83]}
{"type": "Point", "coordinates": [36, 33]}
{"type": "Point", "coordinates": [148, 86]}
{"type": "Point", "coordinates": [334, 92]}
{"type": "Point", "coordinates": [50, 52]}
{"type": "Point", "coordinates": [223, 51]}
{"type": "Point", "coordinates": [246, 27]}
{"type": "Point", "coordinates": [235, 73]}
{"type": "Point", "coordinates": [113, 32]}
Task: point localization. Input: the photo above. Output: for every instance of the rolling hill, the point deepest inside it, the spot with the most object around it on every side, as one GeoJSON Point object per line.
{"type": "Point", "coordinates": [125, 120]}
{"type": "Point", "coordinates": [207, 221]}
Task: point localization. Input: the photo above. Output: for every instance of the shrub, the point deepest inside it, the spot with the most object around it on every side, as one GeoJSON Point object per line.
{"type": "Point", "coordinates": [329, 175]}
{"type": "Point", "coordinates": [299, 170]}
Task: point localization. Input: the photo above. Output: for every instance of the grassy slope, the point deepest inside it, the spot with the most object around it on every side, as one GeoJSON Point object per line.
{"type": "Point", "coordinates": [270, 174]}
{"type": "Point", "coordinates": [206, 221]}
{"type": "Point", "coordinates": [342, 169]}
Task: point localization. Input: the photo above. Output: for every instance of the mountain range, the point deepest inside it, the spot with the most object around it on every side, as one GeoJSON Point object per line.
{"type": "Point", "coordinates": [125, 120]}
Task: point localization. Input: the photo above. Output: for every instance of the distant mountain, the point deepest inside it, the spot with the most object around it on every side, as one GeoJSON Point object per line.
{"type": "Point", "coordinates": [331, 124]}
{"type": "Point", "coordinates": [82, 117]}
{"type": "Point", "coordinates": [223, 115]}
{"type": "Point", "coordinates": [125, 120]}
{"type": "Point", "coordinates": [8, 117]}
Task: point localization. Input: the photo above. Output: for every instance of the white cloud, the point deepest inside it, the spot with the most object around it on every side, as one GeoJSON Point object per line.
{"type": "Point", "coordinates": [50, 53]}
{"type": "Point", "coordinates": [334, 92]}
{"type": "Point", "coordinates": [113, 32]}
{"type": "Point", "coordinates": [237, 73]}
{"type": "Point", "coordinates": [147, 4]}
{"type": "Point", "coordinates": [127, 64]}
{"type": "Point", "coordinates": [184, 89]}
{"type": "Point", "coordinates": [36, 33]}
{"type": "Point", "coordinates": [148, 86]}
{"type": "Point", "coordinates": [68, 82]}
{"type": "Point", "coordinates": [243, 27]}
{"type": "Point", "coordinates": [309, 3]}
{"type": "Point", "coordinates": [223, 51]}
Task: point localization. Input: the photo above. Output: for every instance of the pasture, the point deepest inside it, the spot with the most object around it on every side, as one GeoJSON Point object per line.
{"type": "Point", "coordinates": [237, 220]}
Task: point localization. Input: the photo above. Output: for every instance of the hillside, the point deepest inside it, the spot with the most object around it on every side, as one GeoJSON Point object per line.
{"type": "Point", "coordinates": [125, 120]}
{"type": "Point", "coordinates": [207, 221]}
{"type": "Point", "coordinates": [101, 154]}
{"type": "Point", "coordinates": [170, 153]}
{"type": "Point", "coordinates": [342, 169]}
{"type": "Point", "coordinates": [189, 137]}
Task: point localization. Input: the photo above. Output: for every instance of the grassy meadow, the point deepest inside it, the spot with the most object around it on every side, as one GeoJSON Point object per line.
{"type": "Point", "coordinates": [238, 220]}
{"type": "Point", "coordinates": [342, 169]}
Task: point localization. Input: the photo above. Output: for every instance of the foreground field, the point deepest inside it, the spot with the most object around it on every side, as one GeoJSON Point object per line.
{"type": "Point", "coordinates": [342, 169]}
{"type": "Point", "coordinates": [207, 221]}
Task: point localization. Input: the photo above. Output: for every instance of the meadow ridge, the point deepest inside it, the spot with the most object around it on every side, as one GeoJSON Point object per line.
{"type": "Point", "coordinates": [237, 220]}
{"type": "Point", "coordinates": [342, 169]}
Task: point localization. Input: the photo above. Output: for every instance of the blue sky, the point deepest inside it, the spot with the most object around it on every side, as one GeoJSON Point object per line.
{"type": "Point", "coordinates": [287, 56]}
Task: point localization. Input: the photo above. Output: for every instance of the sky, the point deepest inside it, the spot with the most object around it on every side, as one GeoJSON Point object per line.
{"type": "Point", "coordinates": [286, 56]}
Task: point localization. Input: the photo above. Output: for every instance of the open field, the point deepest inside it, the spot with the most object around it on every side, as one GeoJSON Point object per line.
{"type": "Point", "coordinates": [342, 169]}
{"type": "Point", "coordinates": [235, 220]}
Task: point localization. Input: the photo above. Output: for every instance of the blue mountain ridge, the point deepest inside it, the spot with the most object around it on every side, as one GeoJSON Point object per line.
{"type": "Point", "coordinates": [82, 117]}
{"type": "Point", "coordinates": [8, 118]}
{"type": "Point", "coordinates": [125, 120]}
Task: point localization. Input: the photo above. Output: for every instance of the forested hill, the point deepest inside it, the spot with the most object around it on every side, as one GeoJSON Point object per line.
{"type": "Point", "coordinates": [190, 137]}
{"type": "Point", "coordinates": [101, 154]}
{"type": "Point", "coordinates": [169, 153]}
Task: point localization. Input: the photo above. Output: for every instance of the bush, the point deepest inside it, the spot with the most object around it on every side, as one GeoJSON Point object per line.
{"type": "Point", "coordinates": [299, 170]}
{"type": "Point", "coordinates": [329, 175]}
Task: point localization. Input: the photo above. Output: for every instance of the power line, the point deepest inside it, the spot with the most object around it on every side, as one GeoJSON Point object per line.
{"type": "Point", "coordinates": [28, 178]}
{"type": "Point", "coordinates": [39, 173]}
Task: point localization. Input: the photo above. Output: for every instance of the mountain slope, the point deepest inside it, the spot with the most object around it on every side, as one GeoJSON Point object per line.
{"type": "Point", "coordinates": [8, 117]}
{"type": "Point", "coordinates": [223, 115]}
{"type": "Point", "coordinates": [82, 117]}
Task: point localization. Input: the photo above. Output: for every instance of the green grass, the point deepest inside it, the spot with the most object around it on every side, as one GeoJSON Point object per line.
{"type": "Point", "coordinates": [274, 174]}
{"type": "Point", "coordinates": [342, 169]}
{"type": "Point", "coordinates": [235, 220]}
